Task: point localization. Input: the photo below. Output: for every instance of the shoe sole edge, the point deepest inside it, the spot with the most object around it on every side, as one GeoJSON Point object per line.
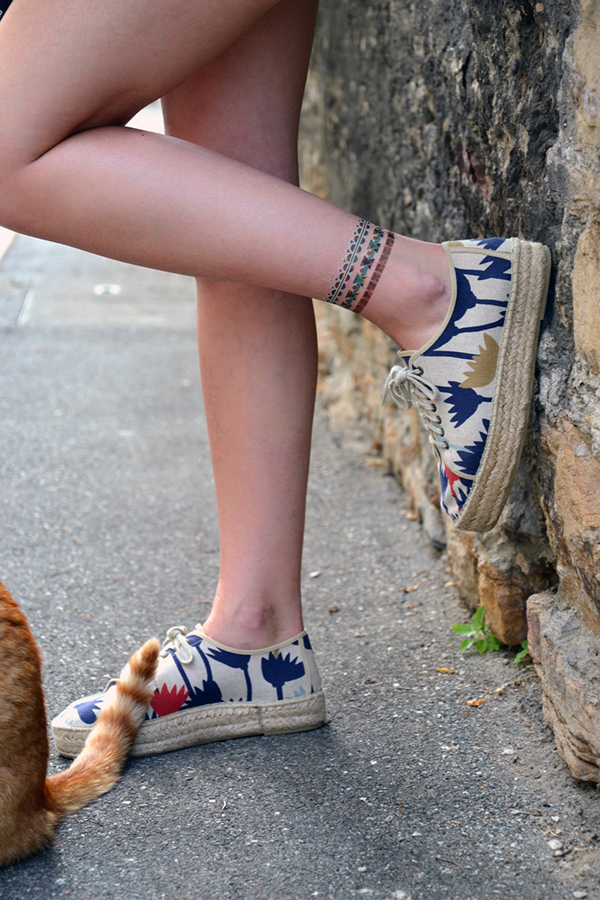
{"type": "Point", "coordinates": [511, 406]}
{"type": "Point", "coordinates": [217, 722]}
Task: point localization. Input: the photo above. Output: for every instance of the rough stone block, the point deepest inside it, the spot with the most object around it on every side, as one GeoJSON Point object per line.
{"type": "Point", "coordinates": [486, 120]}
{"type": "Point", "coordinates": [503, 597]}
{"type": "Point", "coordinates": [572, 503]}
{"type": "Point", "coordinates": [586, 296]}
{"type": "Point", "coordinates": [567, 659]}
{"type": "Point", "coordinates": [462, 557]}
{"type": "Point", "coordinates": [585, 52]}
{"type": "Point", "coordinates": [492, 572]}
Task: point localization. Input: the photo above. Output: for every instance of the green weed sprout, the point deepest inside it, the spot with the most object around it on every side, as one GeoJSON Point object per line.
{"type": "Point", "coordinates": [523, 655]}
{"type": "Point", "coordinates": [477, 634]}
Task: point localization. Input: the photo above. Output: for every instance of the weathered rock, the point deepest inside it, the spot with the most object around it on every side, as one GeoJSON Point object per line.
{"type": "Point", "coordinates": [453, 120]}
{"type": "Point", "coordinates": [567, 658]}
{"type": "Point", "coordinates": [462, 556]}
{"type": "Point", "coordinates": [586, 278]}
{"type": "Point", "coordinates": [503, 599]}
{"type": "Point", "coordinates": [499, 572]}
{"type": "Point", "coordinates": [572, 502]}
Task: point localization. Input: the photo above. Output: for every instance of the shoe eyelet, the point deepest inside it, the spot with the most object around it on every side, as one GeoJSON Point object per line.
{"type": "Point", "coordinates": [438, 420]}
{"type": "Point", "coordinates": [418, 370]}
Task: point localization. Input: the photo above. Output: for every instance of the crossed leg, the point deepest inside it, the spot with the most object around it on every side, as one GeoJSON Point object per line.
{"type": "Point", "coordinates": [257, 349]}
{"type": "Point", "coordinates": [70, 172]}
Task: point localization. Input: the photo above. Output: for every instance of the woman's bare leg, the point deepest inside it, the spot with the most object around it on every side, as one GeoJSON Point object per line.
{"type": "Point", "coordinates": [257, 349]}
{"type": "Point", "coordinates": [71, 173]}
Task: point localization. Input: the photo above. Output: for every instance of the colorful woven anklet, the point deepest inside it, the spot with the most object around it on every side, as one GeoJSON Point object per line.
{"type": "Point", "coordinates": [361, 270]}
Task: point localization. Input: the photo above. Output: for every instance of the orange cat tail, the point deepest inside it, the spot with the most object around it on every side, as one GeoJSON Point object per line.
{"type": "Point", "coordinates": [98, 767]}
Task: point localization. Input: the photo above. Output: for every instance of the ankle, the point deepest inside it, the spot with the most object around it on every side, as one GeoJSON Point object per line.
{"type": "Point", "coordinates": [251, 628]}
{"type": "Point", "coordinates": [433, 301]}
{"type": "Point", "coordinates": [413, 296]}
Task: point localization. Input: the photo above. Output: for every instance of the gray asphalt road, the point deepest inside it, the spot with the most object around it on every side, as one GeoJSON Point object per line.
{"type": "Point", "coordinates": [108, 536]}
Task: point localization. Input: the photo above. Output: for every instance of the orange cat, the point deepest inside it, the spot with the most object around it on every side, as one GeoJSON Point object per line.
{"type": "Point", "coordinates": [30, 803]}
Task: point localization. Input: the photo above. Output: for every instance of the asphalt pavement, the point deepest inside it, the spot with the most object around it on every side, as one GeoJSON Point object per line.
{"type": "Point", "coordinates": [108, 535]}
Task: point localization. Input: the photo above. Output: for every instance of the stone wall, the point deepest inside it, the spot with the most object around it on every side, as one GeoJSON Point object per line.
{"type": "Point", "coordinates": [457, 119]}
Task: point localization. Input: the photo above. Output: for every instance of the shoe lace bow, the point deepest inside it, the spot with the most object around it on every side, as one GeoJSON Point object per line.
{"type": "Point", "coordinates": [176, 640]}
{"type": "Point", "coordinates": [407, 387]}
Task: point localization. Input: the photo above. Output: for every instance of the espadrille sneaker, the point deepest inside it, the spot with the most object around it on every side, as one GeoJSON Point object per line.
{"type": "Point", "coordinates": [472, 381]}
{"type": "Point", "coordinates": [205, 691]}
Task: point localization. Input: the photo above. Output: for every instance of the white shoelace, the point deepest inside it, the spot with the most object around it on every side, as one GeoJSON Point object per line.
{"type": "Point", "coordinates": [401, 384]}
{"type": "Point", "coordinates": [176, 640]}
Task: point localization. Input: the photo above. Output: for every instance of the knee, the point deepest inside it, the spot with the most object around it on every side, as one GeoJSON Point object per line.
{"type": "Point", "coordinates": [12, 194]}
{"type": "Point", "coordinates": [23, 183]}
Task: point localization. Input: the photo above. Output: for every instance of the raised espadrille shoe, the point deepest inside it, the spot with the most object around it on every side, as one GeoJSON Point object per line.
{"type": "Point", "coordinates": [472, 381]}
{"type": "Point", "coordinates": [205, 691]}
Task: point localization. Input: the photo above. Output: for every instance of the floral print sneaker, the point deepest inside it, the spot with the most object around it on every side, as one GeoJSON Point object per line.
{"type": "Point", "coordinates": [472, 381]}
{"type": "Point", "coordinates": [205, 691]}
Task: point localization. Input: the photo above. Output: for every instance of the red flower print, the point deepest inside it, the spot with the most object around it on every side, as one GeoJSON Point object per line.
{"type": "Point", "coordinates": [168, 701]}
{"type": "Point", "coordinates": [452, 478]}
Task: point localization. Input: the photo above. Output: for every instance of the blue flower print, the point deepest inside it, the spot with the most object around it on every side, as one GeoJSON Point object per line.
{"type": "Point", "coordinates": [87, 710]}
{"type": "Point", "coordinates": [234, 661]}
{"type": "Point", "coordinates": [278, 669]}
{"type": "Point", "coordinates": [210, 692]}
{"type": "Point", "coordinates": [463, 402]}
{"type": "Point", "coordinates": [470, 456]}
{"type": "Point", "coordinates": [466, 300]}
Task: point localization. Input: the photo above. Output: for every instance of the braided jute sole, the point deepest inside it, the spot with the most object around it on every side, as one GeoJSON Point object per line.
{"type": "Point", "coordinates": [215, 722]}
{"type": "Point", "coordinates": [514, 384]}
